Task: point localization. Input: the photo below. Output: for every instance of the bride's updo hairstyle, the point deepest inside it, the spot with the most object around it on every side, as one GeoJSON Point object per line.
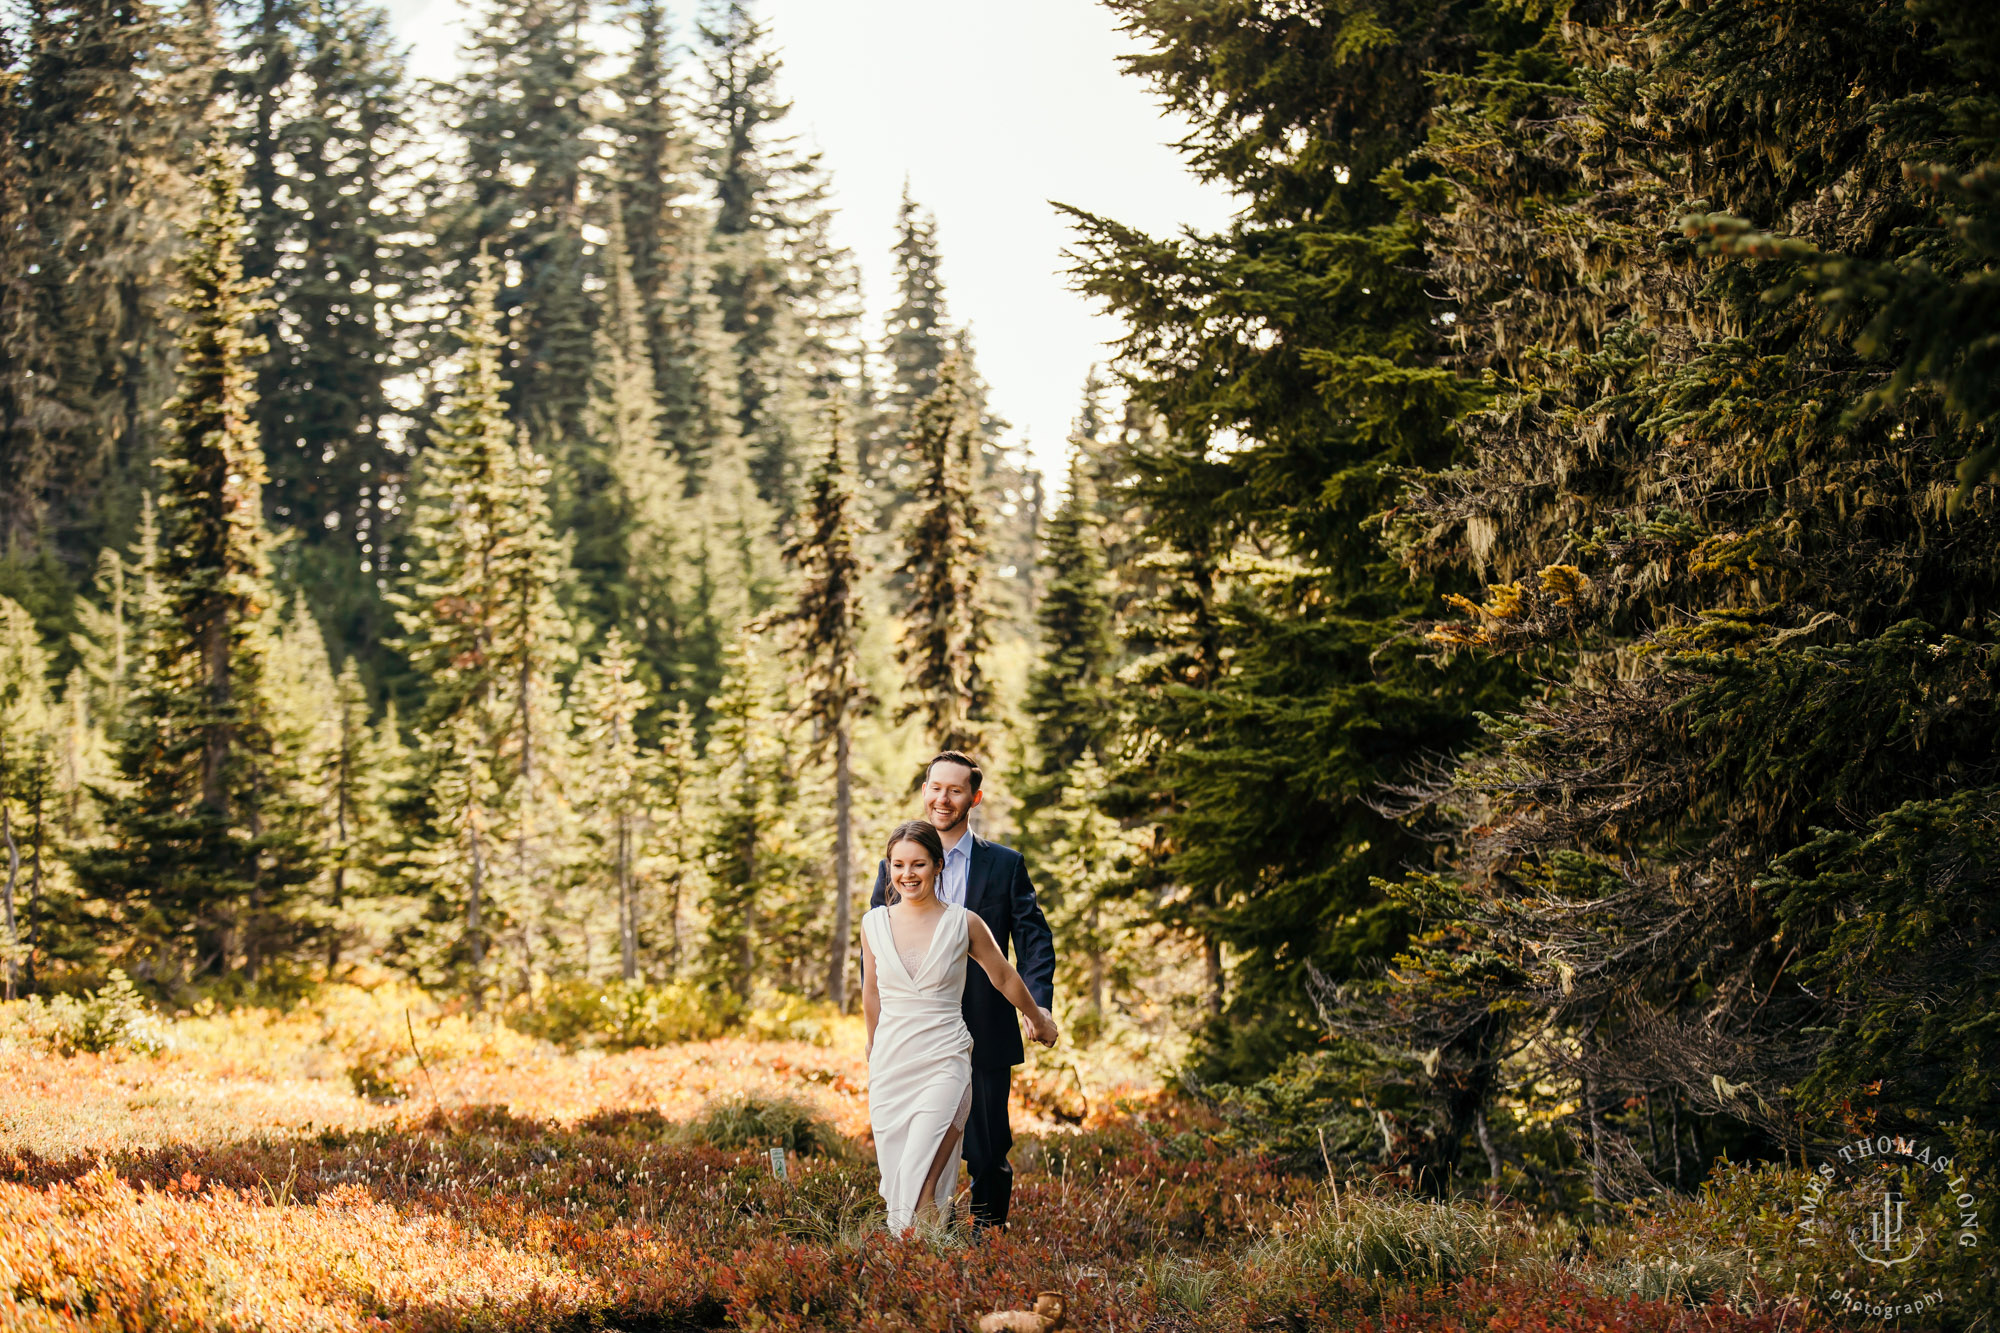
{"type": "Point", "coordinates": [921, 833]}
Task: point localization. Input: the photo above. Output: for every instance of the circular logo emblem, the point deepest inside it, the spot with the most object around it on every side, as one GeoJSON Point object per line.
{"type": "Point", "coordinates": [1879, 1211]}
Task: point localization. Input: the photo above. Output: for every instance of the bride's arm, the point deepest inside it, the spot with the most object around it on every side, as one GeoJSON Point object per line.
{"type": "Point", "coordinates": [871, 999]}
{"type": "Point", "coordinates": [1007, 981]}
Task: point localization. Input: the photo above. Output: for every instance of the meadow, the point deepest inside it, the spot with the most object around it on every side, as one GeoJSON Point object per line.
{"type": "Point", "coordinates": [231, 1171]}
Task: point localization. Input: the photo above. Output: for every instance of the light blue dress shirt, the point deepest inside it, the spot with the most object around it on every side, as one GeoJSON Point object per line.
{"type": "Point", "coordinates": [957, 866]}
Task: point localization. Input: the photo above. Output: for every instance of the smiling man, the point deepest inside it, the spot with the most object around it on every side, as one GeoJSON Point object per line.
{"type": "Point", "coordinates": [991, 880]}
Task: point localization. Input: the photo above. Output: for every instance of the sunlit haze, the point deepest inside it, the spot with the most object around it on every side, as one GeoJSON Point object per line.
{"type": "Point", "coordinates": [990, 111]}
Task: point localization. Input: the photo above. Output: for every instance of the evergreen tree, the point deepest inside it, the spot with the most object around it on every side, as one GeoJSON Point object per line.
{"type": "Point", "coordinates": [917, 340]}
{"type": "Point", "coordinates": [1089, 860]}
{"type": "Point", "coordinates": [673, 773]}
{"type": "Point", "coordinates": [772, 264]}
{"type": "Point", "coordinates": [106, 123]}
{"type": "Point", "coordinates": [27, 725]}
{"type": "Point", "coordinates": [740, 761]}
{"type": "Point", "coordinates": [207, 850]}
{"type": "Point", "coordinates": [484, 629]}
{"type": "Point", "coordinates": [524, 117]}
{"type": "Point", "coordinates": [633, 550]}
{"type": "Point", "coordinates": [1295, 363]}
{"type": "Point", "coordinates": [1757, 740]}
{"type": "Point", "coordinates": [325, 121]}
{"type": "Point", "coordinates": [654, 188]}
{"type": "Point", "coordinates": [944, 623]}
{"type": "Point", "coordinates": [1069, 691]}
{"type": "Point", "coordinates": [827, 620]}
{"type": "Point", "coordinates": [611, 789]}
{"type": "Point", "coordinates": [358, 773]}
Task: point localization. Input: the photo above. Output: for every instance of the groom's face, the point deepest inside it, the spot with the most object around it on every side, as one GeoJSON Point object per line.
{"type": "Point", "coordinates": [948, 796]}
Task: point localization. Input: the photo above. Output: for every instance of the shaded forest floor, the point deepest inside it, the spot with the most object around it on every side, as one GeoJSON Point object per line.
{"type": "Point", "coordinates": [237, 1179]}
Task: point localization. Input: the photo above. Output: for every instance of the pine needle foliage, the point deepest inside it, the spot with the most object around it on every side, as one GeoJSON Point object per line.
{"type": "Point", "coordinates": [826, 622]}
{"type": "Point", "coordinates": [485, 630]}
{"type": "Point", "coordinates": [1720, 264]}
{"type": "Point", "coordinates": [208, 848]}
{"type": "Point", "coordinates": [1296, 363]}
{"type": "Point", "coordinates": [945, 620]}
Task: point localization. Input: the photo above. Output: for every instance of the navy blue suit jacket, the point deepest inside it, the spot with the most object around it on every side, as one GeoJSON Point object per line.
{"type": "Point", "coordinates": [997, 887]}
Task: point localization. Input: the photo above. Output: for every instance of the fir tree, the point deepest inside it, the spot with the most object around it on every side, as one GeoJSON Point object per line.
{"type": "Point", "coordinates": [207, 851]}
{"type": "Point", "coordinates": [357, 775]}
{"type": "Point", "coordinates": [944, 623]}
{"type": "Point", "coordinates": [485, 631]}
{"type": "Point", "coordinates": [673, 774]}
{"type": "Point", "coordinates": [1726, 760]}
{"type": "Point", "coordinates": [326, 112]}
{"type": "Point", "coordinates": [772, 264]}
{"type": "Point", "coordinates": [1295, 362]}
{"type": "Point", "coordinates": [610, 782]}
{"type": "Point", "coordinates": [107, 119]}
{"type": "Point", "coordinates": [917, 337]}
{"type": "Point", "coordinates": [524, 116]}
{"type": "Point", "coordinates": [655, 187]}
{"type": "Point", "coordinates": [26, 741]}
{"type": "Point", "coordinates": [1069, 691]}
{"type": "Point", "coordinates": [827, 620]}
{"type": "Point", "coordinates": [740, 760]}
{"type": "Point", "coordinates": [633, 550]}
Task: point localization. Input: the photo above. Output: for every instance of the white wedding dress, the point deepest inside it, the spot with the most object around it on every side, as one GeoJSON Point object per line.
{"type": "Point", "coordinates": [920, 1070]}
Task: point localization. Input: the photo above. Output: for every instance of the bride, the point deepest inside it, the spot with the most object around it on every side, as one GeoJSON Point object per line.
{"type": "Point", "coordinates": [913, 954]}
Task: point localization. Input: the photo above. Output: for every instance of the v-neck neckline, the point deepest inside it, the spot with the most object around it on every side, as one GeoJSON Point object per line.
{"type": "Point", "coordinates": [930, 947]}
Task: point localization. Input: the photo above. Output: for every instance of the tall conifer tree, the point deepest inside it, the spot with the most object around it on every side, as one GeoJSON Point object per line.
{"type": "Point", "coordinates": [945, 621]}
{"type": "Point", "coordinates": [634, 550]}
{"type": "Point", "coordinates": [485, 630]}
{"type": "Point", "coordinates": [523, 112]}
{"type": "Point", "coordinates": [772, 264]}
{"type": "Point", "coordinates": [325, 114]}
{"type": "Point", "coordinates": [827, 620]}
{"type": "Point", "coordinates": [611, 788]}
{"type": "Point", "coordinates": [108, 124]}
{"type": "Point", "coordinates": [1069, 689]}
{"type": "Point", "coordinates": [1295, 361]}
{"type": "Point", "coordinates": [207, 848]}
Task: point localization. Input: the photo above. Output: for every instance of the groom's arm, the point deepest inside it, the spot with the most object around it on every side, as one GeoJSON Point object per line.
{"type": "Point", "coordinates": [1034, 943]}
{"type": "Point", "coordinates": [881, 894]}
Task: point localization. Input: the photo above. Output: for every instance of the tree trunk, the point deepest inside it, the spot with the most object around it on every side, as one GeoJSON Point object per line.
{"type": "Point", "coordinates": [215, 741]}
{"type": "Point", "coordinates": [1493, 1163]}
{"type": "Point", "coordinates": [628, 924]}
{"type": "Point", "coordinates": [475, 925]}
{"type": "Point", "coordinates": [843, 867]}
{"type": "Point", "coordinates": [35, 883]}
{"type": "Point", "coordinates": [1596, 1150]}
{"type": "Point", "coordinates": [1212, 955]}
{"type": "Point", "coordinates": [1096, 963]}
{"type": "Point", "coordinates": [13, 875]}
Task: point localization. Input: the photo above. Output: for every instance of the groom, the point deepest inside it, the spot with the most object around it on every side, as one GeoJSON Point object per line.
{"type": "Point", "coordinates": [991, 880]}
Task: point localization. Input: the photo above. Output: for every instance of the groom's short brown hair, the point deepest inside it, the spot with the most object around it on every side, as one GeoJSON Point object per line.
{"type": "Point", "coordinates": [959, 757]}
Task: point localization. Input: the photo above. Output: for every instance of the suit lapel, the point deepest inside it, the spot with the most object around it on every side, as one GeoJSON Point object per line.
{"type": "Point", "coordinates": [975, 872]}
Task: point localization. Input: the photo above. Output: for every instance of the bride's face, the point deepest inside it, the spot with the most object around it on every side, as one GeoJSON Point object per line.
{"type": "Point", "coordinates": [912, 871]}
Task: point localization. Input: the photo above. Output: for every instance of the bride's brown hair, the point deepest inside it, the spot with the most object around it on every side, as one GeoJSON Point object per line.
{"type": "Point", "coordinates": [922, 834]}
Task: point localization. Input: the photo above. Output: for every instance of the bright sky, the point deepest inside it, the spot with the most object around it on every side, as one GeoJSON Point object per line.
{"type": "Point", "coordinates": [990, 110]}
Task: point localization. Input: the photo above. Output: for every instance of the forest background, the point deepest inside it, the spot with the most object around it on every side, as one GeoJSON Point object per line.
{"type": "Point", "coordinates": [1508, 675]}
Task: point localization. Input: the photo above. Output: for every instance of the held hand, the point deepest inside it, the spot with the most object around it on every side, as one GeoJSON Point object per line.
{"type": "Point", "coordinates": [1044, 1027]}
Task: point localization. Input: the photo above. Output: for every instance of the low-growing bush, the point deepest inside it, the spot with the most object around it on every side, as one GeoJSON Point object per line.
{"type": "Point", "coordinates": [621, 1016]}
{"type": "Point", "coordinates": [624, 1016]}
{"type": "Point", "coordinates": [112, 1017]}
{"type": "Point", "coordinates": [756, 1121]}
{"type": "Point", "coordinates": [1387, 1235]}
